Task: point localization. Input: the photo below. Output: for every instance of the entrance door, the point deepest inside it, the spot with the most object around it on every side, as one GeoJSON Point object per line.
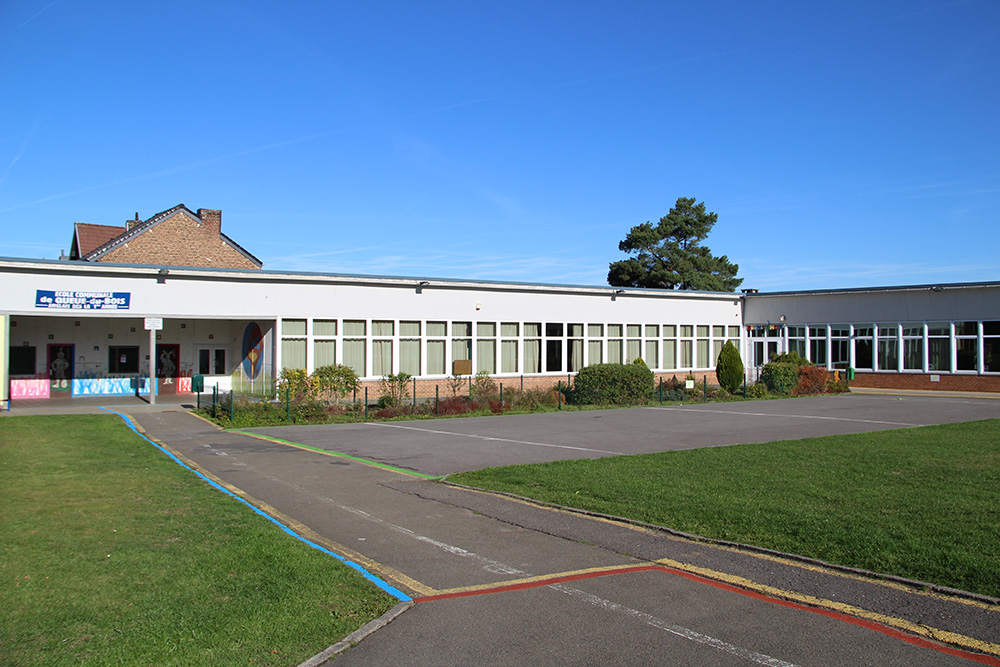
{"type": "Point", "coordinates": [167, 367]}
{"type": "Point", "coordinates": [60, 369]}
{"type": "Point", "coordinates": [763, 350]}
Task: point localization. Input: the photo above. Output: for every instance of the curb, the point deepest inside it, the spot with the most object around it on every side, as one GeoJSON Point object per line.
{"type": "Point", "coordinates": [350, 640]}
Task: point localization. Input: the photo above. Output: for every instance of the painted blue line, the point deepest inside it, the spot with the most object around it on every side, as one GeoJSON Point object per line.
{"type": "Point", "coordinates": [391, 590]}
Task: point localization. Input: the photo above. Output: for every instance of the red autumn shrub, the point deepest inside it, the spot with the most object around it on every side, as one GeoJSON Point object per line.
{"type": "Point", "coordinates": [812, 380]}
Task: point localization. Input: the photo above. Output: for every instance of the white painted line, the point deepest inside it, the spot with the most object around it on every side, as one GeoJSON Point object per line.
{"type": "Point", "coordinates": [483, 437]}
{"type": "Point", "coordinates": [764, 414]}
{"type": "Point", "coordinates": [680, 631]}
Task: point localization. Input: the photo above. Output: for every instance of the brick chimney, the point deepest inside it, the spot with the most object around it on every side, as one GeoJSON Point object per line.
{"type": "Point", "coordinates": [129, 224]}
{"type": "Point", "coordinates": [211, 220]}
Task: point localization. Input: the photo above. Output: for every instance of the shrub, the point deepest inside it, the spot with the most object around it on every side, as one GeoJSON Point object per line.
{"type": "Point", "coordinates": [294, 381]}
{"type": "Point", "coordinates": [614, 384]}
{"type": "Point", "coordinates": [758, 390]}
{"type": "Point", "coordinates": [395, 389]}
{"type": "Point", "coordinates": [792, 357]}
{"type": "Point", "coordinates": [812, 380]}
{"type": "Point", "coordinates": [333, 382]}
{"type": "Point", "coordinates": [528, 399]}
{"type": "Point", "coordinates": [456, 383]}
{"type": "Point", "coordinates": [484, 387]}
{"type": "Point", "coordinates": [729, 371]}
{"type": "Point", "coordinates": [694, 391]}
{"type": "Point", "coordinates": [779, 377]}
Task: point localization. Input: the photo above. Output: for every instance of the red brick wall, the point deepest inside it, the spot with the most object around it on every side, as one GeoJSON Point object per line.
{"type": "Point", "coordinates": [989, 383]}
{"type": "Point", "coordinates": [181, 240]}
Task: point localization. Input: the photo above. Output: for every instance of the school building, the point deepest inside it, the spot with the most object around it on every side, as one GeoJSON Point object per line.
{"type": "Point", "coordinates": [92, 323]}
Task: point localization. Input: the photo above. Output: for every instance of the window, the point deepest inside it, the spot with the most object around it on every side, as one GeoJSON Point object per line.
{"type": "Point", "coordinates": [888, 347]}
{"type": "Point", "coordinates": [574, 348]}
{"type": "Point", "coordinates": [652, 357]}
{"type": "Point", "coordinates": [293, 353]}
{"type": "Point", "coordinates": [840, 339]}
{"type": "Point", "coordinates": [123, 359]}
{"type": "Point", "coordinates": [508, 348]}
{"type": "Point", "coordinates": [324, 353]}
{"type": "Point", "coordinates": [324, 327]}
{"type": "Point", "coordinates": [461, 348]}
{"type": "Point", "coordinates": [595, 352]}
{"type": "Point", "coordinates": [532, 347]}
{"type": "Point", "coordinates": [817, 345]}
{"type": "Point", "coordinates": [436, 355]}
{"type": "Point", "coordinates": [615, 348]}
{"type": "Point", "coordinates": [486, 347]}
{"type": "Point", "coordinates": [967, 344]}
{"type": "Point", "coordinates": [293, 327]}
{"type": "Point", "coordinates": [669, 354]}
{"type": "Point", "coordinates": [208, 363]}
{"type": "Point", "coordinates": [939, 346]}
{"type": "Point", "coordinates": [863, 357]}
{"type": "Point", "coordinates": [22, 360]}
{"type": "Point", "coordinates": [409, 348]}
{"type": "Point", "coordinates": [355, 356]}
{"type": "Point", "coordinates": [797, 340]}
{"type": "Point", "coordinates": [913, 347]}
{"type": "Point", "coordinates": [991, 347]}
{"type": "Point", "coordinates": [595, 331]}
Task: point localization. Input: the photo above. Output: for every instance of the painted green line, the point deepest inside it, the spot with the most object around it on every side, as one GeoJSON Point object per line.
{"type": "Point", "coordinates": [319, 450]}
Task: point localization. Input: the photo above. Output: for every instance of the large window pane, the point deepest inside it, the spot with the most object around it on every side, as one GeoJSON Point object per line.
{"type": "Point", "coordinates": [486, 354]}
{"type": "Point", "coordinates": [461, 349]}
{"type": "Point", "coordinates": [508, 356]}
{"type": "Point", "coordinates": [409, 355]}
{"type": "Point", "coordinates": [354, 354]}
{"type": "Point", "coordinates": [594, 352]}
{"type": "Point", "coordinates": [669, 354]}
{"type": "Point", "coordinates": [532, 355]}
{"type": "Point", "coordinates": [633, 350]}
{"type": "Point", "coordinates": [991, 355]}
{"type": "Point", "coordinates": [381, 357]}
{"type": "Point", "coordinates": [553, 355]}
{"type": "Point", "coordinates": [939, 354]}
{"type": "Point", "coordinates": [703, 359]}
{"type": "Point", "coordinates": [614, 351]}
{"type": "Point", "coordinates": [968, 357]}
{"type": "Point", "coordinates": [913, 354]}
{"type": "Point", "coordinates": [293, 353]}
{"type": "Point", "coordinates": [652, 357]}
{"type": "Point", "coordinates": [687, 354]}
{"type": "Point", "coordinates": [326, 353]}
{"type": "Point", "coordinates": [576, 354]}
{"type": "Point", "coordinates": [435, 357]}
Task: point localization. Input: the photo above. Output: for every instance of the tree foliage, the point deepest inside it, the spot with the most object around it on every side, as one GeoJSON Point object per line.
{"type": "Point", "coordinates": [669, 255]}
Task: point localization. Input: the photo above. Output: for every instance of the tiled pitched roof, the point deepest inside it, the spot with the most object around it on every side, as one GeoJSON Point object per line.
{"type": "Point", "coordinates": [138, 228]}
{"type": "Point", "coordinates": [87, 237]}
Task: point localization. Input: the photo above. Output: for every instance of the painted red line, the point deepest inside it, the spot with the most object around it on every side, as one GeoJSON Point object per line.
{"type": "Point", "coordinates": [540, 583]}
{"type": "Point", "coordinates": [836, 615]}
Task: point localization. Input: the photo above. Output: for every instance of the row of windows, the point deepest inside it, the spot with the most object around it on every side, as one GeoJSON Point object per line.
{"type": "Point", "coordinates": [965, 346]}
{"type": "Point", "coordinates": [425, 347]}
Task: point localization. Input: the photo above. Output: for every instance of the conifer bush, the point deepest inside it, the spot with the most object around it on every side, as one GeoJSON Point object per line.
{"type": "Point", "coordinates": [729, 370]}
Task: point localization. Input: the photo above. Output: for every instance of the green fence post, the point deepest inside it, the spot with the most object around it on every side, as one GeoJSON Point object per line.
{"type": "Point", "coordinates": [661, 391]}
{"type": "Point", "coordinates": [232, 409]}
{"type": "Point", "coordinates": [706, 387]}
{"type": "Point", "coordinates": [744, 388]}
{"type": "Point", "coordinates": [288, 403]}
{"type": "Point", "coordinates": [501, 397]}
{"type": "Point", "coordinates": [559, 394]}
{"type": "Point", "coordinates": [437, 401]}
{"type": "Point", "coordinates": [414, 392]}
{"type": "Point", "coordinates": [522, 383]}
{"type": "Point", "coordinates": [366, 403]}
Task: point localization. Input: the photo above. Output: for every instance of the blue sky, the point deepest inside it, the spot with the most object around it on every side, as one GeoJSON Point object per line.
{"type": "Point", "coordinates": [842, 144]}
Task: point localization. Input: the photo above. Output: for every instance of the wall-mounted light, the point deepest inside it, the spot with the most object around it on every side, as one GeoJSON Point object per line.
{"type": "Point", "coordinates": [937, 288]}
{"type": "Point", "coordinates": [184, 325]}
{"type": "Point", "coordinates": [421, 285]}
{"type": "Point", "coordinates": [211, 336]}
{"type": "Point", "coordinates": [111, 335]}
{"type": "Point", "coordinates": [161, 276]}
{"type": "Point", "coordinates": [77, 323]}
{"type": "Point", "coordinates": [51, 336]}
{"type": "Point", "coordinates": [133, 329]}
{"type": "Point", "coordinates": [159, 337]}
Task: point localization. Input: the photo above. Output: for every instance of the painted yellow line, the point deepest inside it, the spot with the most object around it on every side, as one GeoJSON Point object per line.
{"type": "Point", "coordinates": [846, 609]}
{"type": "Point", "coordinates": [610, 569]}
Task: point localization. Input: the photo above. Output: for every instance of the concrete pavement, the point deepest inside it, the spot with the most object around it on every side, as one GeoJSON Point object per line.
{"type": "Point", "coordinates": [498, 581]}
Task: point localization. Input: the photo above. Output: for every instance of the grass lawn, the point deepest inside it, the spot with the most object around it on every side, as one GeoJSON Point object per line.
{"type": "Point", "coordinates": [922, 503]}
{"type": "Point", "coordinates": [114, 554]}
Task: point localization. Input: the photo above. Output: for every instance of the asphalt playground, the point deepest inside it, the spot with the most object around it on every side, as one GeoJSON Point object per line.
{"type": "Point", "coordinates": [485, 579]}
